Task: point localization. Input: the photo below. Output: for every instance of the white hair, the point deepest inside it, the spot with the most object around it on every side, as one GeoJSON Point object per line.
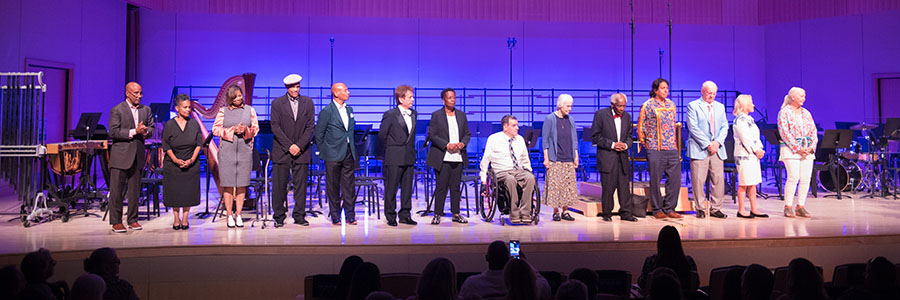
{"type": "Point", "coordinates": [563, 99]}
{"type": "Point", "coordinates": [792, 92]}
{"type": "Point", "coordinates": [709, 85]}
{"type": "Point", "coordinates": [742, 105]}
{"type": "Point", "coordinates": [612, 99]}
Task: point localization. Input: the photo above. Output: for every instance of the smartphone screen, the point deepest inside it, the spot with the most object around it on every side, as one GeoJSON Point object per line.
{"type": "Point", "coordinates": [514, 248]}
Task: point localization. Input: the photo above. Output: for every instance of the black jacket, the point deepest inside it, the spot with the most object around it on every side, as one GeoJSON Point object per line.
{"type": "Point", "coordinates": [439, 136]}
{"type": "Point", "coordinates": [399, 141]}
{"type": "Point", "coordinates": [288, 131]}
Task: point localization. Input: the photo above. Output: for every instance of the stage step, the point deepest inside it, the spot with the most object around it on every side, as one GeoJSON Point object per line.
{"type": "Point", "coordinates": [589, 195]}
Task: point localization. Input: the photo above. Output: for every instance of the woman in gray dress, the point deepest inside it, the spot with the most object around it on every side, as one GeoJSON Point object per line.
{"type": "Point", "coordinates": [181, 140]}
{"type": "Point", "coordinates": [235, 150]}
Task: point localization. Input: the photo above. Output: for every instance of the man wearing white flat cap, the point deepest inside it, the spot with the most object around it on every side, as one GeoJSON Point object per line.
{"type": "Point", "coordinates": [293, 120]}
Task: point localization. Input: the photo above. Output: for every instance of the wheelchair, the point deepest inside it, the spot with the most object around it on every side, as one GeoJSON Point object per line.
{"type": "Point", "coordinates": [494, 199]}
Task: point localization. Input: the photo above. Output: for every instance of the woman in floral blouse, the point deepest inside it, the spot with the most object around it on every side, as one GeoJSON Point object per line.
{"type": "Point", "coordinates": [798, 147]}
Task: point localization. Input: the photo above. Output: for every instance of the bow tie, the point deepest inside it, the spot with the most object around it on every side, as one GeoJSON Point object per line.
{"type": "Point", "coordinates": [617, 116]}
{"type": "Point", "coordinates": [406, 112]}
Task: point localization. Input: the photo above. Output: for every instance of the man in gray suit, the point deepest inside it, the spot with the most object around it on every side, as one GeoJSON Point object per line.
{"type": "Point", "coordinates": [130, 123]}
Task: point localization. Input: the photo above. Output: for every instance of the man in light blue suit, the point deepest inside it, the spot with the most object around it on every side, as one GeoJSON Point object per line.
{"type": "Point", "coordinates": [706, 148]}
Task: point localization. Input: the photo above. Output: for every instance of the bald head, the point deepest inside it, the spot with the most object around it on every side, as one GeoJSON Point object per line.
{"type": "Point", "coordinates": [133, 93]}
{"type": "Point", "coordinates": [708, 91]}
{"type": "Point", "coordinates": [339, 92]}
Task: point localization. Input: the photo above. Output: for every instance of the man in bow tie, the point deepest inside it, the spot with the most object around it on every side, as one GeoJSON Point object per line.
{"type": "Point", "coordinates": [398, 133]}
{"type": "Point", "coordinates": [612, 135]}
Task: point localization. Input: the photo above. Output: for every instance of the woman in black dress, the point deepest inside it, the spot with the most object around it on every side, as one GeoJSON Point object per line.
{"type": "Point", "coordinates": [181, 140]}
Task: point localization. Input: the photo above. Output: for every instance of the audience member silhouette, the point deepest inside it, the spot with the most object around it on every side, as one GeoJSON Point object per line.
{"type": "Point", "coordinates": [88, 286]}
{"type": "Point", "coordinates": [11, 282]}
{"type": "Point", "coordinates": [38, 267]}
{"type": "Point", "coordinates": [437, 281]}
{"type": "Point", "coordinates": [105, 263]}
{"type": "Point", "coordinates": [366, 279]}
{"type": "Point", "coordinates": [804, 281]}
{"type": "Point", "coordinates": [879, 283]}
{"type": "Point", "coordinates": [587, 277]}
{"type": "Point", "coordinates": [520, 280]}
{"type": "Point", "coordinates": [346, 274]}
{"type": "Point", "coordinates": [669, 254]}
{"type": "Point", "coordinates": [757, 283]}
{"type": "Point", "coordinates": [664, 285]}
{"type": "Point", "coordinates": [572, 290]}
{"type": "Point", "coordinates": [380, 295]}
{"type": "Point", "coordinates": [490, 284]}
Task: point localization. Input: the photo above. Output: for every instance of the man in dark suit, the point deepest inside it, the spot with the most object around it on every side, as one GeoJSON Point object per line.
{"type": "Point", "coordinates": [334, 138]}
{"type": "Point", "coordinates": [398, 133]}
{"type": "Point", "coordinates": [292, 118]}
{"type": "Point", "coordinates": [612, 135]}
{"type": "Point", "coordinates": [130, 123]}
{"type": "Point", "coordinates": [447, 154]}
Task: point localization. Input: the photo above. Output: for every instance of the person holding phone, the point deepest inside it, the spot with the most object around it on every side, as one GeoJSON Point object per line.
{"type": "Point", "coordinates": [130, 122]}
{"type": "Point", "coordinates": [236, 124]}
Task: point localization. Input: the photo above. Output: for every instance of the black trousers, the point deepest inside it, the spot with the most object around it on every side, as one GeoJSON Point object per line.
{"type": "Point", "coordinates": [448, 178]}
{"type": "Point", "coordinates": [298, 175]}
{"type": "Point", "coordinates": [666, 162]}
{"type": "Point", "coordinates": [127, 183]}
{"type": "Point", "coordinates": [616, 181]}
{"type": "Point", "coordinates": [339, 179]}
{"type": "Point", "coordinates": [402, 177]}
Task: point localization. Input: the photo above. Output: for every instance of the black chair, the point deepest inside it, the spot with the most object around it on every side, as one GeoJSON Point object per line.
{"type": "Point", "coordinates": [722, 281]}
{"type": "Point", "coordinates": [614, 282]}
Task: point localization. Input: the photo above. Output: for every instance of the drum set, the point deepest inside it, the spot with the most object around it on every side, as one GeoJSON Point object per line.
{"type": "Point", "coordinates": [862, 168]}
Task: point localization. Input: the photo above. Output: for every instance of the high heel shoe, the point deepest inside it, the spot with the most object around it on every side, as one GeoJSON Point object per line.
{"type": "Point", "coordinates": [176, 227]}
{"type": "Point", "coordinates": [185, 226]}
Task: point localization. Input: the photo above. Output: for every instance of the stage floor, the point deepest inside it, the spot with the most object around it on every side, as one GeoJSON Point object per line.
{"type": "Point", "coordinates": [855, 215]}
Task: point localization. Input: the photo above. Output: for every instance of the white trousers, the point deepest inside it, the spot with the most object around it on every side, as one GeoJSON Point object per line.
{"type": "Point", "coordinates": [798, 170]}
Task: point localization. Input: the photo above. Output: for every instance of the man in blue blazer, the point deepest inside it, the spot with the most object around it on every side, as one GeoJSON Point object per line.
{"type": "Point", "coordinates": [334, 138]}
{"type": "Point", "coordinates": [708, 128]}
{"type": "Point", "coordinates": [398, 133]}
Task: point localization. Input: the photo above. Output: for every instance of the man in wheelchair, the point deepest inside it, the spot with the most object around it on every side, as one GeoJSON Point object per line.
{"type": "Point", "coordinates": [506, 153]}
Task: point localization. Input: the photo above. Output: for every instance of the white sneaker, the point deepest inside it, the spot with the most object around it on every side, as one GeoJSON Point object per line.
{"type": "Point", "coordinates": [231, 222]}
{"type": "Point", "coordinates": [238, 221]}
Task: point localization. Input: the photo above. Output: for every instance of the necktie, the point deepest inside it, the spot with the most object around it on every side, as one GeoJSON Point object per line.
{"type": "Point", "coordinates": [513, 154]}
{"type": "Point", "coordinates": [712, 121]}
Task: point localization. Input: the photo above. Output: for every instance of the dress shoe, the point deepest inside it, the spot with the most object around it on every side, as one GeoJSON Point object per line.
{"type": "Point", "coordinates": [674, 215]}
{"type": "Point", "coordinates": [230, 223]}
{"type": "Point", "coordinates": [788, 212]}
{"type": "Point", "coordinates": [392, 223]}
{"type": "Point", "coordinates": [352, 222]}
{"type": "Point", "coordinates": [515, 221]}
{"type": "Point", "coordinates": [607, 219]}
{"type": "Point", "coordinates": [460, 219]}
{"type": "Point", "coordinates": [801, 212]}
{"type": "Point", "coordinates": [119, 228]}
{"type": "Point", "coordinates": [526, 220]}
{"type": "Point", "coordinates": [301, 222]}
{"type": "Point", "coordinates": [135, 226]}
{"type": "Point", "coordinates": [279, 224]}
{"type": "Point", "coordinates": [659, 215]}
{"type": "Point", "coordinates": [750, 216]}
{"type": "Point", "coordinates": [556, 217]}
{"type": "Point", "coordinates": [185, 226]}
{"type": "Point", "coordinates": [718, 214]}
{"type": "Point", "coordinates": [338, 223]}
{"type": "Point", "coordinates": [629, 219]}
{"type": "Point", "coordinates": [567, 217]}
{"type": "Point", "coordinates": [701, 214]}
{"type": "Point", "coordinates": [409, 221]}
{"type": "Point", "coordinates": [755, 215]}
{"type": "Point", "coordinates": [239, 221]}
{"type": "Point", "coordinates": [436, 220]}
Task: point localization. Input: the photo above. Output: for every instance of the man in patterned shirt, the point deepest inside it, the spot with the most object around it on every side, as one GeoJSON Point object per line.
{"type": "Point", "coordinates": [656, 131]}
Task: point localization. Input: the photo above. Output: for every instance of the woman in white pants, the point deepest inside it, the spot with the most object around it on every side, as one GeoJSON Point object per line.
{"type": "Point", "coordinates": [748, 150]}
{"type": "Point", "coordinates": [798, 147]}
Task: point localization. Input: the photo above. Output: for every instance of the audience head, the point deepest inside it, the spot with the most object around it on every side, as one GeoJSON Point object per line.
{"type": "Point", "coordinates": [572, 290]}
{"type": "Point", "coordinates": [380, 295]}
{"type": "Point", "coordinates": [346, 274]}
{"type": "Point", "coordinates": [804, 280]}
{"type": "Point", "coordinates": [88, 287]}
{"type": "Point", "coordinates": [659, 89]}
{"type": "Point", "coordinates": [881, 274]}
{"type": "Point", "coordinates": [589, 278]}
{"type": "Point", "coordinates": [664, 284]}
{"type": "Point", "coordinates": [757, 283]}
{"type": "Point", "coordinates": [103, 262]}
{"type": "Point", "coordinates": [38, 266]}
{"type": "Point", "coordinates": [11, 282]}
{"type": "Point", "coordinates": [668, 243]}
{"type": "Point", "coordinates": [497, 255]}
{"type": "Point", "coordinates": [438, 281]}
{"type": "Point", "coordinates": [520, 280]}
{"type": "Point", "coordinates": [366, 279]}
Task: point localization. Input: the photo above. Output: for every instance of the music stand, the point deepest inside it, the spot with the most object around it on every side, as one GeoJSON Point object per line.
{"type": "Point", "coordinates": [86, 125]}
{"type": "Point", "coordinates": [835, 139]}
{"type": "Point", "coordinates": [773, 138]}
{"type": "Point", "coordinates": [205, 214]}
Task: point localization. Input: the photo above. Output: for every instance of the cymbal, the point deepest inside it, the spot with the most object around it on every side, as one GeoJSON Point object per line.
{"type": "Point", "coordinates": [863, 126]}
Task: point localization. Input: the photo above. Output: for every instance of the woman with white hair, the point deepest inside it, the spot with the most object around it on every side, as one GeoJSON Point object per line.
{"type": "Point", "coordinates": [798, 147]}
{"type": "Point", "coordinates": [748, 150]}
{"type": "Point", "coordinates": [560, 143]}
